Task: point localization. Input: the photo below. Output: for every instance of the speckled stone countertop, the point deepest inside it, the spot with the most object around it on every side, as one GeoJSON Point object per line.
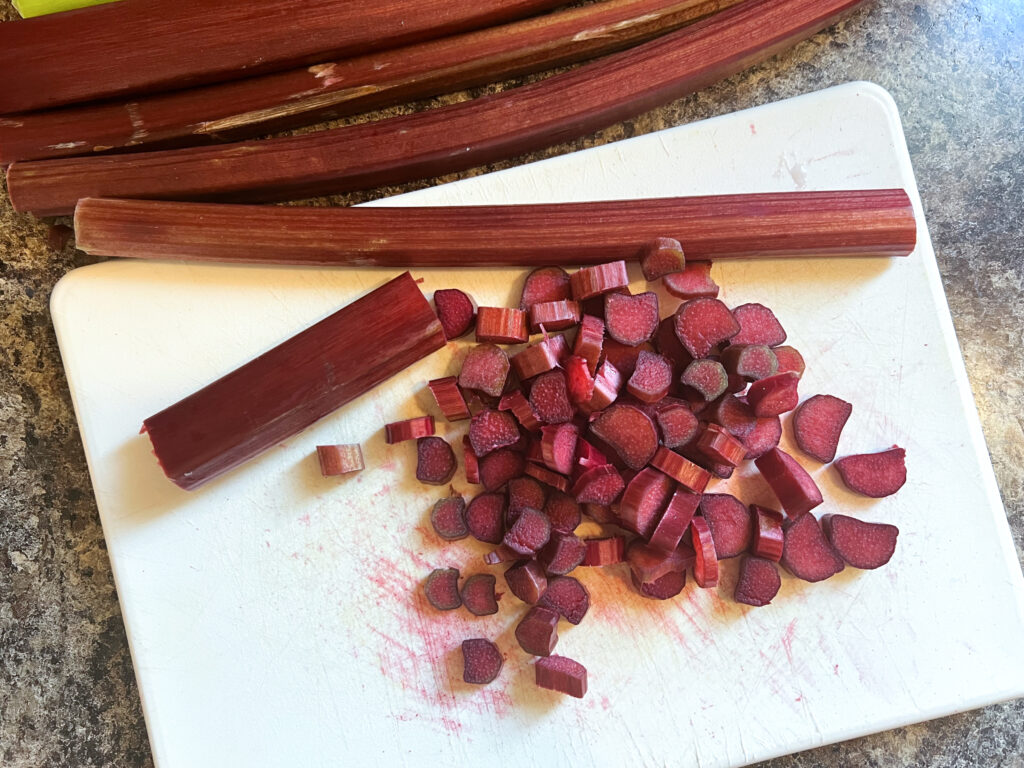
{"type": "Point", "coordinates": [67, 691]}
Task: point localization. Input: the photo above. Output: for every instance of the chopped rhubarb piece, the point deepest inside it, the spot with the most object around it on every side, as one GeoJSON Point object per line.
{"type": "Point", "coordinates": [623, 356]}
{"type": "Point", "coordinates": [521, 409]}
{"type": "Point", "coordinates": [682, 470]}
{"type": "Point", "coordinates": [410, 429]}
{"type": "Point", "coordinates": [501, 325]}
{"type": "Point", "coordinates": [806, 552]}
{"type": "Point", "coordinates": [533, 452]}
{"type": "Point", "coordinates": [561, 674]}
{"type": "Point", "coordinates": [795, 489]}
{"type": "Point", "coordinates": [526, 580]}
{"type": "Point", "coordinates": [478, 594]}
{"type": "Point", "coordinates": [649, 564]}
{"type": "Point", "coordinates": [662, 256]}
{"type": "Point", "coordinates": [607, 384]}
{"type": "Point", "coordinates": [560, 347]}
{"type": "Point", "coordinates": [530, 531]}
{"type": "Point", "coordinates": [599, 485]}
{"type": "Point", "coordinates": [862, 545]}
{"type": "Point", "coordinates": [481, 660]}
{"type": "Point", "coordinates": [651, 378]}
{"type": "Point", "coordinates": [705, 567]}
{"type": "Point", "coordinates": [500, 555]}
{"type": "Point", "coordinates": [558, 446]}
{"type": "Point", "coordinates": [730, 523]}
{"type": "Point", "coordinates": [524, 492]}
{"type": "Point", "coordinates": [759, 582]}
{"type": "Point", "coordinates": [485, 369]}
{"type": "Point", "coordinates": [768, 534]}
{"type": "Point", "coordinates": [629, 432]}
{"type": "Point", "coordinates": [579, 380]}
{"type": "Point", "coordinates": [668, 344]}
{"type": "Point", "coordinates": [677, 424]}
{"type": "Point", "coordinates": [675, 520]}
{"type": "Point", "coordinates": [455, 311]}
{"type": "Point", "coordinates": [448, 518]}
{"type": "Point", "coordinates": [602, 278]}
{"type": "Point", "coordinates": [701, 324]}
{"type": "Point", "coordinates": [664, 588]}
{"type": "Point", "coordinates": [817, 424]}
{"type": "Point", "coordinates": [789, 360]}
{"type": "Point", "coordinates": [485, 517]}
{"type": "Point", "coordinates": [774, 396]}
{"type": "Point", "coordinates": [732, 413]}
{"type": "Point", "coordinates": [549, 397]}
{"type": "Point", "coordinates": [749, 362]}
{"type": "Point", "coordinates": [562, 553]}
{"type": "Point", "coordinates": [874, 474]}
{"type": "Point", "coordinates": [545, 285]}
{"type": "Point", "coordinates": [568, 597]}
{"type": "Point", "coordinates": [537, 631]}
{"type": "Point", "coordinates": [490, 430]}
{"type": "Point", "coordinates": [706, 377]}
{"type": "Point", "coordinates": [601, 514]}
{"type": "Point", "coordinates": [449, 398]}
{"type": "Point", "coordinates": [763, 437]}
{"type": "Point", "coordinates": [339, 459]}
{"type": "Point", "coordinates": [435, 461]}
{"type": "Point", "coordinates": [631, 320]}
{"type": "Point", "coordinates": [645, 498]}
{"type": "Point", "coordinates": [736, 385]}
{"type": "Point", "coordinates": [471, 462]}
{"type": "Point", "coordinates": [693, 282]}
{"type": "Point", "coordinates": [718, 445]}
{"type": "Point", "coordinates": [602, 552]}
{"type": "Point", "coordinates": [554, 316]}
{"type": "Point", "coordinates": [546, 476]}
{"type": "Point", "coordinates": [442, 589]}
{"type": "Point", "coordinates": [535, 359]}
{"type": "Point", "coordinates": [590, 341]}
{"type": "Point", "coordinates": [563, 511]}
{"type": "Point", "coordinates": [758, 325]}
{"type": "Point", "coordinates": [500, 466]}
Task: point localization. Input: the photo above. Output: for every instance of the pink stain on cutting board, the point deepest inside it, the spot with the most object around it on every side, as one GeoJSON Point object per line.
{"type": "Point", "coordinates": [787, 640]}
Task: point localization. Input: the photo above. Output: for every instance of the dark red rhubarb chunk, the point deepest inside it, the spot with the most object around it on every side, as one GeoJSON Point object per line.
{"type": "Point", "coordinates": [705, 377]}
{"type": "Point", "coordinates": [485, 517]}
{"type": "Point", "coordinates": [449, 398]}
{"type": "Point", "coordinates": [795, 489]}
{"type": "Point", "coordinates": [536, 359]}
{"type": "Point", "coordinates": [602, 552]}
{"type": "Point", "coordinates": [806, 552]}
{"type": "Point", "coordinates": [537, 631]}
{"type": "Point", "coordinates": [607, 384]}
{"type": "Point", "coordinates": [664, 588]}
{"type": "Point", "coordinates": [547, 477]}
{"type": "Point", "coordinates": [749, 362]}
{"type": "Point", "coordinates": [645, 498]}
{"type": "Point", "coordinates": [455, 311]}
{"type": "Point", "coordinates": [501, 325]}
{"type": "Point", "coordinates": [526, 580]}
{"type": "Point", "coordinates": [874, 474]}
{"type": "Point", "coordinates": [524, 492]}
{"type": "Point", "coordinates": [759, 582]}
{"type": "Point", "coordinates": [554, 316]}
{"type": "Point", "coordinates": [602, 278]}
{"type": "Point", "coordinates": [579, 380]}
{"type": "Point", "coordinates": [718, 445]}
{"type": "Point", "coordinates": [530, 531]}
{"type": "Point", "coordinates": [763, 437]}
{"type": "Point", "coordinates": [662, 256]}
{"type": "Point", "coordinates": [702, 324]}
{"type": "Point", "coordinates": [768, 533]}
{"type": "Point", "coordinates": [732, 413]}
{"type": "Point", "coordinates": [339, 459]}
{"type": "Point", "coordinates": [500, 466]}
{"type": "Point", "coordinates": [651, 377]}
{"type": "Point", "coordinates": [563, 511]}
{"type": "Point", "coordinates": [631, 320]}
{"type": "Point", "coordinates": [478, 594]}
{"type": "Point", "coordinates": [598, 485]}
{"type": "Point", "coordinates": [862, 545]}
{"type": "Point", "coordinates": [448, 518]}
{"type": "Point", "coordinates": [705, 567]}
{"type": "Point", "coordinates": [629, 432]}
{"type": "Point", "coordinates": [471, 462]}
{"type": "Point", "coordinates": [590, 341]}
{"type": "Point", "coordinates": [730, 523]}
{"type": "Point", "coordinates": [789, 360]}
{"type": "Point", "coordinates": [490, 430]}
{"type": "Point", "coordinates": [500, 555]}
{"type": "Point", "coordinates": [435, 461]}
{"type": "Point", "coordinates": [544, 285]}
{"type": "Point", "coordinates": [521, 409]}
{"type": "Point", "coordinates": [677, 423]}
{"type": "Point", "coordinates": [623, 356]}
{"type": "Point", "coordinates": [693, 282]}
{"type": "Point", "coordinates": [675, 520]}
{"type": "Point", "coordinates": [758, 325]}
{"type": "Point", "coordinates": [481, 661]}
{"type": "Point", "coordinates": [485, 369]}
{"type": "Point", "coordinates": [568, 597]}
{"type": "Point", "coordinates": [774, 396]}
{"type": "Point", "coordinates": [689, 475]}
{"type": "Point", "coordinates": [549, 397]}
{"type": "Point", "coordinates": [558, 447]}
{"type": "Point", "coordinates": [410, 429]}
{"type": "Point", "coordinates": [817, 424]}
{"type": "Point", "coordinates": [667, 342]}
{"type": "Point", "coordinates": [562, 553]}
{"type": "Point", "coordinates": [442, 589]}
{"type": "Point", "coordinates": [648, 564]}
{"type": "Point", "coordinates": [561, 674]}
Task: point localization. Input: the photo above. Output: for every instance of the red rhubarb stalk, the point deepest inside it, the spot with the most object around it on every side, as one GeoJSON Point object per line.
{"type": "Point", "coordinates": [339, 459]}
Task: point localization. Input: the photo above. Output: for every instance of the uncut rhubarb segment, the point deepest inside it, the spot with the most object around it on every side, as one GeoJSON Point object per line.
{"type": "Point", "coordinates": [455, 137]}
{"type": "Point", "coordinates": [339, 459]}
{"type": "Point", "coordinates": [294, 384]}
{"type": "Point", "coordinates": [158, 45]}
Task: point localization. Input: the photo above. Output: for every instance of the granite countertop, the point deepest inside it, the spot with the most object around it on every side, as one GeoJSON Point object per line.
{"type": "Point", "coordinates": [67, 691]}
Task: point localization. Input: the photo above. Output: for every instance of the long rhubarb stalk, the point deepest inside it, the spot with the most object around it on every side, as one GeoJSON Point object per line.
{"type": "Point", "coordinates": [142, 46]}
{"type": "Point", "coordinates": [442, 140]}
{"type": "Point", "coordinates": [283, 391]}
{"type": "Point", "coordinates": [262, 105]}
{"type": "Point", "coordinates": [877, 222]}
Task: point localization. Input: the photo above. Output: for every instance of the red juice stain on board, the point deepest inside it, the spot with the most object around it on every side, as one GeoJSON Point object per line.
{"type": "Point", "coordinates": [787, 640]}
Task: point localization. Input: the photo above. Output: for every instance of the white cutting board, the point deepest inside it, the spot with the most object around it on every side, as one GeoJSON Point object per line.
{"type": "Point", "coordinates": [274, 618]}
